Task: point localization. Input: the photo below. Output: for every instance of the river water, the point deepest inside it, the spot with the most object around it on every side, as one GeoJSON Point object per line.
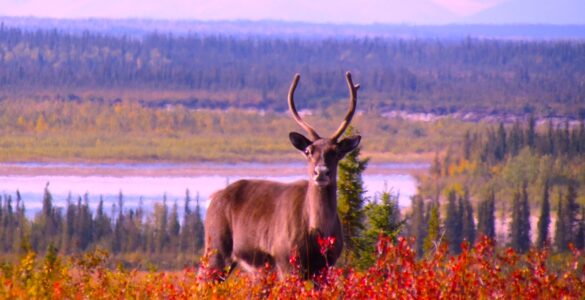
{"type": "Point", "coordinates": [151, 183]}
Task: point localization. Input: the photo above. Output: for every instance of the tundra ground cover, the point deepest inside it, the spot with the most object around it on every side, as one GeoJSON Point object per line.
{"type": "Point", "coordinates": [479, 272]}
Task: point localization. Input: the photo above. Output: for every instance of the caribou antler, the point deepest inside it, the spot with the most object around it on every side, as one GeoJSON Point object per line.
{"type": "Point", "coordinates": [352, 103]}
{"type": "Point", "coordinates": [293, 110]}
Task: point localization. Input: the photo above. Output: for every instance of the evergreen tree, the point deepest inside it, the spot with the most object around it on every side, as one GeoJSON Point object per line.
{"type": "Point", "coordinates": [350, 199]}
{"type": "Point", "coordinates": [46, 225]}
{"type": "Point", "coordinates": [526, 228]}
{"type": "Point", "coordinates": [118, 232]}
{"type": "Point", "coordinates": [383, 219]}
{"type": "Point", "coordinates": [21, 226]}
{"type": "Point", "coordinates": [520, 223]}
{"type": "Point", "coordinates": [468, 220]}
{"type": "Point", "coordinates": [486, 216]}
{"type": "Point", "coordinates": [571, 211]}
{"type": "Point", "coordinates": [501, 143]}
{"type": "Point", "coordinates": [67, 245]}
{"type": "Point", "coordinates": [550, 140]}
{"type": "Point", "coordinates": [102, 222]}
{"type": "Point", "coordinates": [436, 167]}
{"type": "Point", "coordinates": [161, 225]}
{"type": "Point", "coordinates": [544, 218]}
{"type": "Point", "coordinates": [174, 226]}
{"type": "Point", "coordinates": [453, 223]}
{"type": "Point", "coordinates": [187, 228]}
{"type": "Point", "coordinates": [198, 228]}
{"type": "Point", "coordinates": [561, 238]}
{"type": "Point", "coordinates": [418, 224]}
{"type": "Point", "coordinates": [86, 224]}
{"type": "Point", "coordinates": [433, 232]}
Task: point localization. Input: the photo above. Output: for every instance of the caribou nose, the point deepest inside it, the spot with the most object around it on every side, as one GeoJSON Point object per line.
{"type": "Point", "coordinates": [321, 171]}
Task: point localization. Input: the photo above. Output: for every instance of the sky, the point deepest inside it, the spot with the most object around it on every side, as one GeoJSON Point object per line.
{"type": "Point", "coordinates": [314, 11]}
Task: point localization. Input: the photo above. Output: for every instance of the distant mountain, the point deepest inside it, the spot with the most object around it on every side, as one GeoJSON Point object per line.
{"type": "Point", "coordinates": [141, 27]}
{"type": "Point", "coordinates": [532, 12]}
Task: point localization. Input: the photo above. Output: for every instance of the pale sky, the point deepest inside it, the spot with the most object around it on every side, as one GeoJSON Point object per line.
{"type": "Point", "coordinates": [336, 11]}
{"type": "Point", "coordinates": [317, 11]}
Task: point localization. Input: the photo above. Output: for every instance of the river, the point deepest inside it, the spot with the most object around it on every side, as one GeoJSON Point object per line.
{"type": "Point", "coordinates": [151, 182]}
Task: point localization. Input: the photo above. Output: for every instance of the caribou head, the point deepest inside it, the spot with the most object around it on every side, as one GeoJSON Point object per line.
{"type": "Point", "coordinates": [323, 154]}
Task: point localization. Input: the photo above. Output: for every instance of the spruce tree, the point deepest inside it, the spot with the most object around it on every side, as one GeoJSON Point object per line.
{"type": "Point", "coordinates": [433, 229]}
{"type": "Point", "coordinates": [119, 232]}
{"type": "Point", "coordinates": [418, 224]}
{"type": "Point", "coordinates": [187, 228]}
{"type": "Point", "coordinates": [453, 223]}
{"type": "Point", "coordinates": [520, 223]}
{"type": "Point", "coordinates": [526, 228]}
{"type": "Point", "coordinates": [486, 216]}
{"type": "Point", "coordinates": [67, 243]}
{"type": "Point", "coordinates": [561, 238]}
{"type": "Point", "coordinates": [468, 220]}
{"type": "Point", "coordinates": [383, 219]}
{"type": "Point", "coordinates": [501, 143]}
{"type": "Point", "coordinates": [161, 225]}
{"type": "Point", "coordinates": [102, 224]}
{"type": "Point", "coordinates": [46, 225]}
{"type": "Point", "coordinates": [198, 228]}
{"type": "Point", "coordinates": [174, 226]}
{"type": "Point", "coordinates": [571, 211]}
{"type": "Point", "coordinates": [544, 218]}
{"type": "Point", "coordinates": [83, 224]}
{"type": "Point", "coordinates": [350, 198]}
{"type": "Point", "coordinates": [22, 225]}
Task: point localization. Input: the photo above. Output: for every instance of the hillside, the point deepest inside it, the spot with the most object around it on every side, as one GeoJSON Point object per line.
{"type": "Point", "coordinates": [485, 76]}
{"type": "Point", "coordinates": [138, 28]}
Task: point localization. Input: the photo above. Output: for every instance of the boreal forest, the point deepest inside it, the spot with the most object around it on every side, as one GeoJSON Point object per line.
{"type": "Point", "coordinates": [424, 75]}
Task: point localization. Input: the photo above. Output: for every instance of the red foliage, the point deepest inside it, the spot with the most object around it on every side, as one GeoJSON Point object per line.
{"type": "Point", "coordinates": [479, 272]}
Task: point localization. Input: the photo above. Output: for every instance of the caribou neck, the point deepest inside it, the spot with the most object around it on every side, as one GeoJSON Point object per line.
{"type": "Point", "coordinates": [321, 207]}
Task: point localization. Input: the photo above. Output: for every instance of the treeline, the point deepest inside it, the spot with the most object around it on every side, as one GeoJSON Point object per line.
{"type": "Point", "coordinates": [526, 182]}
{"type": "Point", "coordinates": [497, 145]}
{"type": "Point", "coordinates": [439, 76]}
{"type": "Point", "coordinates": [133, 235]}
{"type": "Point", "coordinates": [457, 222]}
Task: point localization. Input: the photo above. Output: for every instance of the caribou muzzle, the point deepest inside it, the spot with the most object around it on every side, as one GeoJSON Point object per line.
{"type": "Point", "coordinates": [321, 175]}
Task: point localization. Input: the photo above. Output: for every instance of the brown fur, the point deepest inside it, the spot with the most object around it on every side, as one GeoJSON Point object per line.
{"type": "Point", "coordinates": [256, 222]}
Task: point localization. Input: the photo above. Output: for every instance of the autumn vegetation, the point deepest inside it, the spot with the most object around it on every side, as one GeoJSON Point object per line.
{"type": "Point", "coordinates": [479, 272]}
{"type": "Point", "coordinates": [500, 214]}
{"type": "Point", "coordinates": [128, 131]}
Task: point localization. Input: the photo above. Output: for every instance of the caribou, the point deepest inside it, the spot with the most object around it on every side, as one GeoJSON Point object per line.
{"type": "Point", "coordinates": [254, 223]}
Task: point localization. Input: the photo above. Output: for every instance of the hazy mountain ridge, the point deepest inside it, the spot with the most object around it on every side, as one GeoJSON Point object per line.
{"type": "Point", "coordinates": [532, 11]}
{"type": "Point", "coordinates": [140, 27]}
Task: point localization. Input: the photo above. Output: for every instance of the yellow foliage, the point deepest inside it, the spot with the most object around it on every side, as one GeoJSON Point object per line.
{"type": "Point", "coordinates": [21, 122]}
{"type": "Point", "coordinates": [41, 124]}
{"type": "Point", "coordinates": [455, 187]}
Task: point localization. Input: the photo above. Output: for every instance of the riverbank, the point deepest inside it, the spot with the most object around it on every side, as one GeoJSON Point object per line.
{"type": "Point", "coordinates": [174, 169]}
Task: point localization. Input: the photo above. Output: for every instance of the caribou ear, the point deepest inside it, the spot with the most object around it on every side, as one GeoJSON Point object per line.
{"type": "Point", "coordinates": [348, 144]}
{"type": "Point", "coordinates": [299, 141]}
